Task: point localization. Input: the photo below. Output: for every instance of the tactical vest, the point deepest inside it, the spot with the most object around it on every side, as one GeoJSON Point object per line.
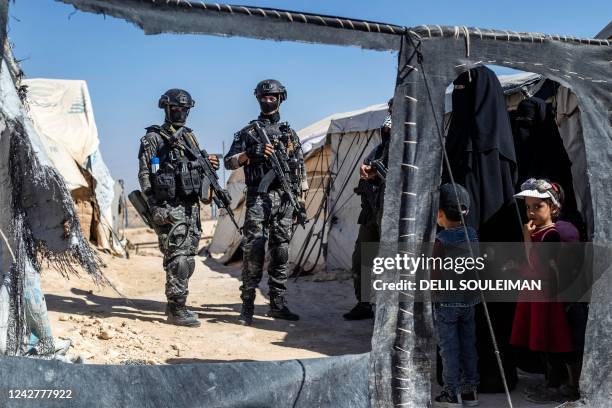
{"type": "Point", "coordinates": [177, 177]}
{"type": "Point", "coordinates": [278, 133]}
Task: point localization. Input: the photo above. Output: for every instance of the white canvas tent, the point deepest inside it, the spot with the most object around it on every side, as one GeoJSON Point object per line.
{"type": "Point", "coordinates": [62, 113]}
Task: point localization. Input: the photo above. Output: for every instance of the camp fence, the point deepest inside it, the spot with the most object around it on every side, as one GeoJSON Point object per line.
{"type": "Point", "coordinates": [430, 57]}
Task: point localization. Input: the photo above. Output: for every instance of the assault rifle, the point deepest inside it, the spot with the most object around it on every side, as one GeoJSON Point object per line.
{"type": "Point", "coordinates": [281, 171]}
{"type": "Point", "coordinates": [221, 197]}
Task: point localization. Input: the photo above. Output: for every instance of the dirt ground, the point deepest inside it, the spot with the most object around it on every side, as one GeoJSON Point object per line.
{"type": "Point", "coordinates": [106, 328]}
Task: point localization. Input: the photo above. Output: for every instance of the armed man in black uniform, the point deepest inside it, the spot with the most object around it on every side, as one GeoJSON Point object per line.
{"type": "Point", "coordinates": [371, 188]}
{"type": "Point", "coordinates": [269, 215]}
{"type": "Point", "coordinates": [173, 187]}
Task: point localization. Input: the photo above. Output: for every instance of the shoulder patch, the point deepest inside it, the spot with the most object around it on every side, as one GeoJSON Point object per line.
{"type": "Point", "coordinates": [150, 140]}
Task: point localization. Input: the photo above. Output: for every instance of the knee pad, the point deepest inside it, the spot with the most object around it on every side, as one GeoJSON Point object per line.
{"type": "Point", "coordinates": [181, 267]}
{"type": "Point", "coordinates": [279, 255]}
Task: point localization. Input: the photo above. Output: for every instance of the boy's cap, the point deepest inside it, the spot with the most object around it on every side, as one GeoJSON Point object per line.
{"type": "Point", "coordinates": [449, 199]}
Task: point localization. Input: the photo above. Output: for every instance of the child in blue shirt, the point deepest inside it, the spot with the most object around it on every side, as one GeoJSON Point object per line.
{"type": "Point", "coordinates": [454, 312]}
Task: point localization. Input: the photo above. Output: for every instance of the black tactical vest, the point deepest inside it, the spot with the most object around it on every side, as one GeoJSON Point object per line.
{"type": "Point", "coordinates": [177, 177]}
{"type": "Point", "coordinates": [277, 133]}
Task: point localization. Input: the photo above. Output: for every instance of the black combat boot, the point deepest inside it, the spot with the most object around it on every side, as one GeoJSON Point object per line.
{"type": "Point", "coordinates": [191, 313]}
{"type": "Point", "coordinates": [248, 307]}
{"type": "Point", "coordinates": [361, 311]}
{"type": "Point", "coordinates": [279, 310]}
{"type": "Point", "coordinates": [180, 316]}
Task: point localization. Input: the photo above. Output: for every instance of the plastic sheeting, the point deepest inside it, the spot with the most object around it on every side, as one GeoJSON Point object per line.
{"type": "Point", "coordinates": [287, 384]}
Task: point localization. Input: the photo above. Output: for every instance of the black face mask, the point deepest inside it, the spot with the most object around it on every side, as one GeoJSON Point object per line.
{"type": "Point", "coordinates": [269, 108]}
{"type": "Point", "coordinates": [177, 117]}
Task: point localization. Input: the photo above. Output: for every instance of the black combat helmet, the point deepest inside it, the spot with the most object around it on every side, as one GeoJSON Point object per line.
{"type": "Point", "coordinates": [270, 87]}
{"type": "Point", "coordinates": [176, 97]}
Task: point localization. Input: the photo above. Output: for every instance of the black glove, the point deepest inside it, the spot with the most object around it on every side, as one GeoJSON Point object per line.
{"type": "Point", "coordinates": [256, 152]}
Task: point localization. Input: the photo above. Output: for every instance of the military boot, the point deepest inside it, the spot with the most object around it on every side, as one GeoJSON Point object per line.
{"type": "Point", "coordinates": [248, 308]}
{"type": "Point", "coordinates": [191, 313]}
{"type": "Point", "coordinates": [279, 310]}
{"type": "Point", "coordinates": [180, 316]}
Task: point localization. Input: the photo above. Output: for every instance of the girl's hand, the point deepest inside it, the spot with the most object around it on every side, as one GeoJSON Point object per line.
{"type": "Point", "coordinates": [528, 229]}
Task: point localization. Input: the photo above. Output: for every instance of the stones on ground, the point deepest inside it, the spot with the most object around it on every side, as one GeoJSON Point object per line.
{"type": "Point", "coordinates": [106, 334]}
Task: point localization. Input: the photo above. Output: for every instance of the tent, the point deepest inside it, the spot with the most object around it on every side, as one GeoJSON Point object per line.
{"type": "Point", "coordinates": [606, 33]}
{"type": "Point", "coordinates": [62, 113]}
{"type": "Point", "coordinates": [398, 369]}
{"type": "Point", "coordinates": [334, 147]}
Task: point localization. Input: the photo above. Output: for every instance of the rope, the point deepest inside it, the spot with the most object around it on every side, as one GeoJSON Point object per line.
{"type": "Point", "coordinates": [329, 214]}
{"type": "Point", "coordinates": [465, 230]}
{"type": "Point", "coordinates": [8, 246]}
{"type": "Point", "coordinates": [298, 267]}
{"type": "Point", "coordinates": [303, 18]}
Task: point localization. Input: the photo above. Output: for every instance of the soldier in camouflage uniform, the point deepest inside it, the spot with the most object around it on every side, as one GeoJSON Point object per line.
{"type": "Point", "coordinates": [371, 189]}
{"type": "Point", "coordinates": [269, 215]}
{"type": "Point", "coordinates": [173, 190]}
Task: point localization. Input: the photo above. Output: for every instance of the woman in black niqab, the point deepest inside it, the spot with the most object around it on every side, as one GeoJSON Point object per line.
{"type": "Point", "coordinates": [480, 145]}
{"type": "Point", "coordinates": [480, 149]}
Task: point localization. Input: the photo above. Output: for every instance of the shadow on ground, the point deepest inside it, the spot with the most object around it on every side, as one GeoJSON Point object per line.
{"type": "Point", "coordinates": [321, 327]}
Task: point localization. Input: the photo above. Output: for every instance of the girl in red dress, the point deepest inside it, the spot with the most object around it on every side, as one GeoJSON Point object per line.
{"type": "Point", "coordinates": [542, 325]}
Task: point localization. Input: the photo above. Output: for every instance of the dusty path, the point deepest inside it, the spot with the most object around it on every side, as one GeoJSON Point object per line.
{"type": "Point", "coordinates": [107, 329]}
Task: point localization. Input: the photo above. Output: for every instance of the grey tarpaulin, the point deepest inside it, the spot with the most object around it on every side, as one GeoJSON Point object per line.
{"type": "Point", "coordinates": [295, 383]}
{"type": "Point", "coordinates": [401, 357]}
{"type": "Point", "coordinates": [414, 177]}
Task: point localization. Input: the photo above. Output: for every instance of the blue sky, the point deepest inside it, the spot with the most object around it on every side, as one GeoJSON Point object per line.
{"type": "Point", "coordinates": [127, 71]}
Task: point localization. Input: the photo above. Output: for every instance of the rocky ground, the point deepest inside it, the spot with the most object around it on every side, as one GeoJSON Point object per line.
{"type": "Point", "coordinates": [128, 325]}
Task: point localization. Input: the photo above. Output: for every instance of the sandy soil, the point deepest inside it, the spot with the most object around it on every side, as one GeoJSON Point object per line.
{"type": "Point", "coordinates": [110, 329]}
